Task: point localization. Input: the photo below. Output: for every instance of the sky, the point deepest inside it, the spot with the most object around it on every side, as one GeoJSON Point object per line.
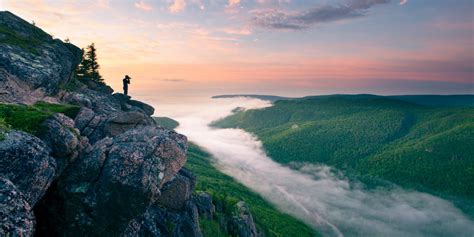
{"type": "Point", "coordinates": [284, 47]}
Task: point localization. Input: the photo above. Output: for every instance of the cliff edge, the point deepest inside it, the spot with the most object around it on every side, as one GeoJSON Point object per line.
{"type": "Point", "coordinates": [103, 168]}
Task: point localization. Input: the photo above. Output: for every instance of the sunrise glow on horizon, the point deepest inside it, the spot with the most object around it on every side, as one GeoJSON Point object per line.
{"type": "Point", "coordinates": [282, 47]}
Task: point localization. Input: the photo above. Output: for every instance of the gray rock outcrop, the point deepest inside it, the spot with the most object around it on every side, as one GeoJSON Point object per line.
{"type": "Point", "coordinates": [33, 65]}
{"type": "Point", "coordinates": [178, 191]}
{"type": "Point", "coordinates": [104, 115]}
{"type": "Point", "coordinates": [117, 180]}
{"type": "Point", "coordinates": [64, 139]}
{"type": "Point", "coordinates": [149, 110]}
{"type": "Point", "coordinates": [204, 205]}
{"type": "Point", "coordinates": [16, 215]}
{"type": "Point", "coordinates": [25, 160]}
{"type": "Point", "coordinates": [242, 223]}
{"type": "Point", "coordinates": [158, 221]}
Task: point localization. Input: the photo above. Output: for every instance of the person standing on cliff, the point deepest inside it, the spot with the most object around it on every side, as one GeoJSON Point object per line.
{"type": "Point", "coordinates": [126, 81]}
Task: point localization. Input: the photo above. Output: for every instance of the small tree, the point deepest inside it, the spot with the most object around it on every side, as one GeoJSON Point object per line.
{"type": "Point", "coordinates": [94, 66]}
{"type": "Point", "coordinates": [81, 70]}
{"type": "Point", "coordinates": [88, 69]}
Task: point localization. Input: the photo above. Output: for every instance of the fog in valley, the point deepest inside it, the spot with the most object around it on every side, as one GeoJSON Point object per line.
{"type": "Point", "coordinates": [318, 195]}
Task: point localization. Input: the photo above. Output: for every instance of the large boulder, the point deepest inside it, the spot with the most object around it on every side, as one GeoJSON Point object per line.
{"type": "Point", "coordinates": [97, 126]}
{"type": "Point", "coordinates": [158, 221]}
{"type": "Point", "coordinates": [83, 118]}
{"type": "Point", "coordinates": [121, 98]}
{"type": "Point", "coordinates": [148, 109]}
{"type": "Point", "coordinates": [116, 180]}
{"type": "Point", "coordinates": [178, 191]}
{"type": "Point", "coordinates": [25, 160]}
{"type": "Point", "coordinates": [242, 224]}
{"type": "Point", "coordinates": [16, 215]}
{"type": "Point", "coordinates": [106, 115]}
{"type": "Point", "coordinates": [97, 101]}
{"type": "Point", "coordinates": [64, 139]}
{"type": "Point", "coordinates": [31, 61]}
{"type": "Point", "coordinates": [120, 122]}
{"type": "Point", "coordinates": [204, 205]}
{"type": "Point", "coordinates": [77, 99]}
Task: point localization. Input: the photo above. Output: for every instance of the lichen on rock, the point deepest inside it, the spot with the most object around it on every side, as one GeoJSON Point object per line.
{"type": "Point", "coordinates": [32, 61]}
{"type": "Point", "coordinates": [16, 214]}
{"type": "Point", "coordinates": [25, 160]}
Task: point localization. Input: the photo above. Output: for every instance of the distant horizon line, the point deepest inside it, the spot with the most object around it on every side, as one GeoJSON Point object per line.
{"type": "Point", "coordinates": [333, 94]}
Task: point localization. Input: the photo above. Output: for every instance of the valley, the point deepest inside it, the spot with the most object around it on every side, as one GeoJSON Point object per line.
{"type": "Point", "coordinates": [333, 200]}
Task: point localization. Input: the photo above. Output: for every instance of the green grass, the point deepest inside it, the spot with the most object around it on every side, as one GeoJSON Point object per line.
{"type": "Point", "coordinates": [211, 228]}
{"type": "Point", "coordinates": [371, 137]}
{"type": "Point", "coordinates": [29, 118]}
{"type": "Point", "coordinates": [29, 43]}
{"type": "Point", "coordinates": [4, 127]}
{"type": "Point", "coordinates": [30, 38]}
{"type": "Point", "coordinates": [227, 192]}
{"type": "Point", "coordinates": [166, 122]}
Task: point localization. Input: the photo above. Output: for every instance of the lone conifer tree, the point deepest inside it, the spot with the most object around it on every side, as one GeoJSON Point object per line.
{"type": "Point", "coordinates": [88, 69]}
{"type": "Point", "coordinates": [81, 70]}
{"type": "Point", "coordinates": [94, 66]}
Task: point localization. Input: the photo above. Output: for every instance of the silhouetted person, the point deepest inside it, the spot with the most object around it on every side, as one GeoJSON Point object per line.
{"type": "Point", "coordinates": [126, 81]}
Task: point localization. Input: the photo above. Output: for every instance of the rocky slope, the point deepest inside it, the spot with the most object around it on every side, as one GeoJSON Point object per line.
{"type": "Point", "coordinates": [32, 63]}
{"type": "Point", "coordinates": [108, 171]}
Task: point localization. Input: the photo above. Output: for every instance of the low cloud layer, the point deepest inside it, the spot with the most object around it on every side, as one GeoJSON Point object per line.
{"type": "Point", "coordinates": [281, 19]}
{"type": "Point", "coordinates": [317, 195]}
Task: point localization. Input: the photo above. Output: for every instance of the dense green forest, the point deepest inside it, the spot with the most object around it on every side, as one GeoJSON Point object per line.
{"type": "Point", "coordinates": [428, 148]}
{"type": "Point", "coordinates": [226, 191]}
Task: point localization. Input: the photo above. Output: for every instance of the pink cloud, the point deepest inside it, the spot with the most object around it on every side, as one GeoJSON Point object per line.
{"type": "Point", "coordinates": [233, 3]}
{"type": "Point", "coordinates": [177, 6]}
{"type": "Point", "coordinates": [237, 31]}
{"type": "Point", "coordinates": [143, 6]}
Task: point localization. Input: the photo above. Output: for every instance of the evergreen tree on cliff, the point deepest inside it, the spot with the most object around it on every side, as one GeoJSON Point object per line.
{"type": "Point", "coordinates": [88, 69]}
{"type": "Point", "coordinates": [81, 70]}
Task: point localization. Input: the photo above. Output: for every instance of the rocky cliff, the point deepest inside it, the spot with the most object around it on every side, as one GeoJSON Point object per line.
{"type": "Point", "coordinates": [33, 65]}
{"type": "Point", "coordinates": [107, 170]}
{"type": "Point", "coordinates": [90, 175]}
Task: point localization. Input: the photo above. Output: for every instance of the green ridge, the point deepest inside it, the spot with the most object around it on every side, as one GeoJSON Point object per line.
{"type": "Point", "coordinates": [372, 137]}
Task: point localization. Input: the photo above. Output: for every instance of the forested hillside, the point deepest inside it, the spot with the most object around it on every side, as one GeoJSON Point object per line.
{"type": "Point", "coordinates": [226, 192]}
{"type": "Point", "coordinates": [423, 147]}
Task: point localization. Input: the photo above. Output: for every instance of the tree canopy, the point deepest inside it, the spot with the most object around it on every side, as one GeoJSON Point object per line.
{"type": "Point", "coordinates": [89, 67]}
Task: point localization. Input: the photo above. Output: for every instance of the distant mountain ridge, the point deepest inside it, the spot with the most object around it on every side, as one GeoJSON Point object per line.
{"type": "Point", "coordinates": [438, 100]}
{"type": "Point", "coordinates": [461, 100]}
{"type": "Point", "coordinates": [261, 97]}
